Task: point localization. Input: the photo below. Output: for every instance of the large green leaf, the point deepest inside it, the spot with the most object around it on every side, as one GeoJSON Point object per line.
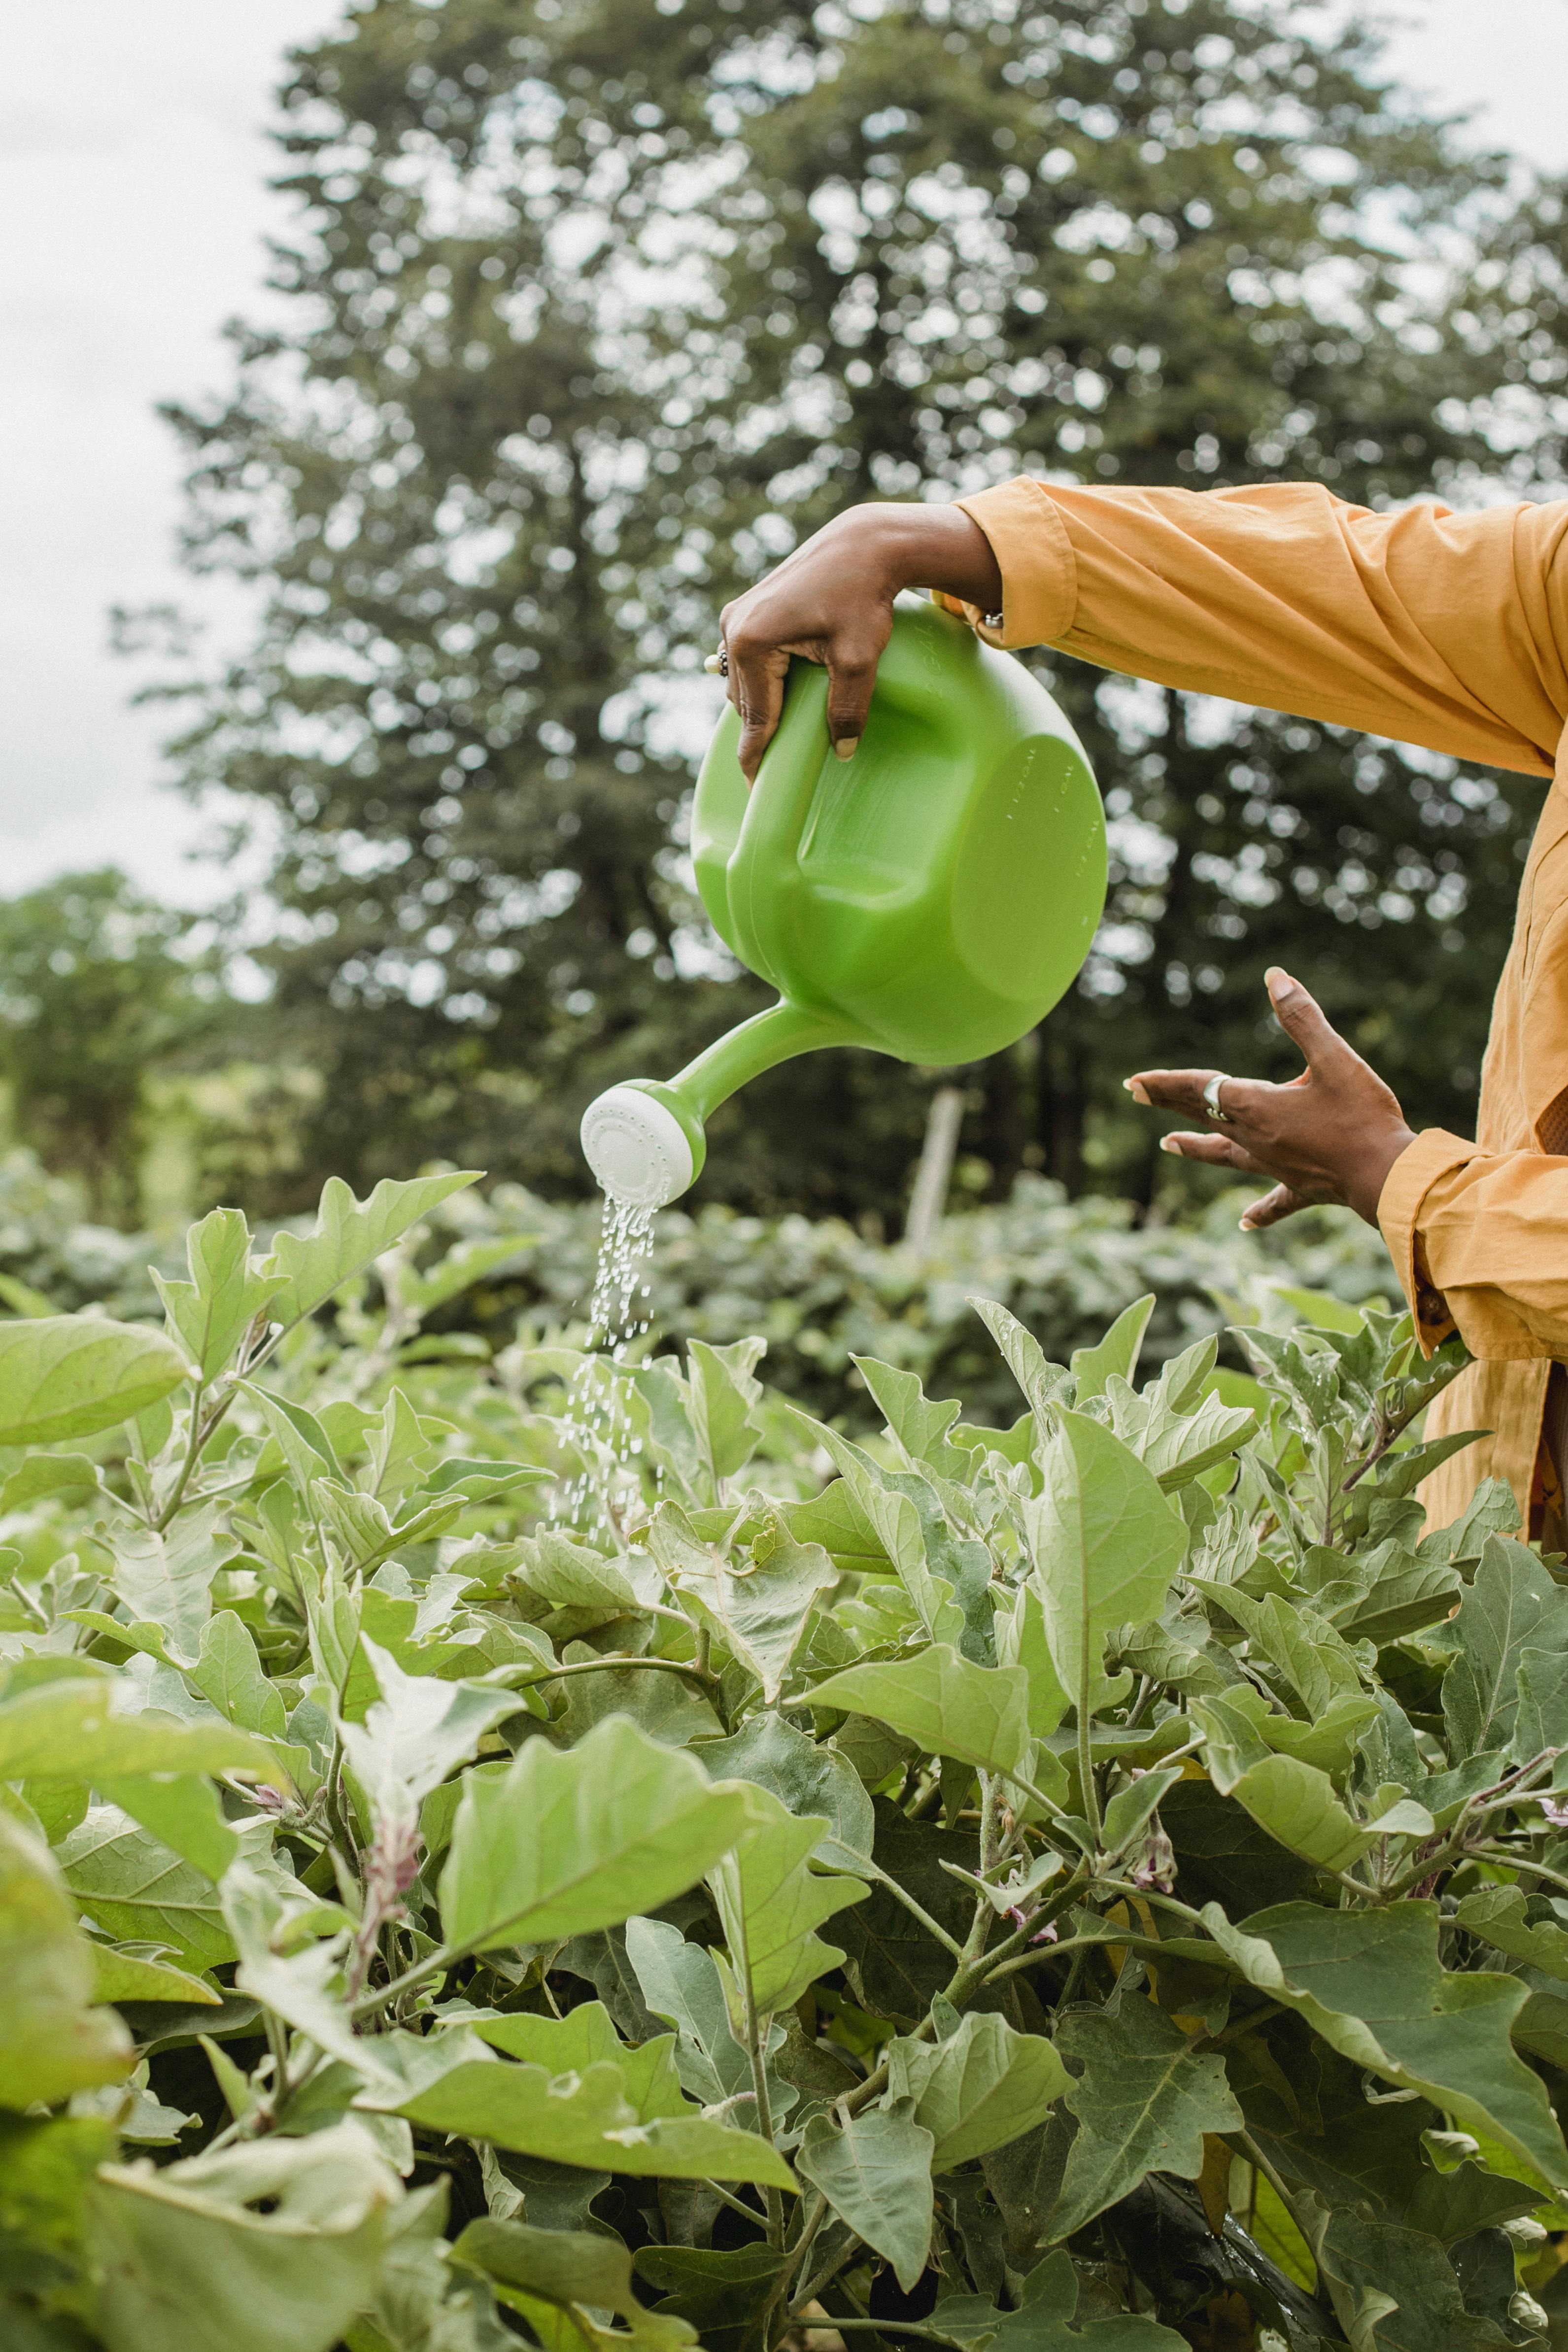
{"type": "Point", "coordinates": [680, 1982]}
{"type": "Point", "coordinates": [770, 1905]}
{"type": "Point", "coordinates": [69, 1375]}
{"type": "Point", "coordinates": [1371, 1983]}
{"type": "Point", "coordinates": [214, 1310]}
{"type": "Point", "coordinates": [721, 2291]}
{"type": "Point", "coordinates": [69, 1730]}
{"type": "Point", "coordinates": [564, 1843]}
{"type": "Point", "coordinates": [758, 1612]}
{"type": "Point", "coordinates": [722, 1390]}
{"type": "Point", "coordinates": [583, 2117]}
{"type": "Point", "coordinates": [1396, 2289]}
{"type": "Point", "coordinates": [804, 1777]}
{"type": "Point", "coordinates": [982, 2087]}
{"type": "Point", "coordinates": [139, 1890]}
{"type": "Point", "coordinates": [166, 1579]}
{"type": "Point", "coordinates": [349, 1235]}
{"type": "Point", "coordinates": [1512, 1606]}
{"type": "Point", "coordinates": [229, 1674]}
{"type": "Point", "coordinates": [1044, 2320]}
{"type": "Point", "coordinates": [52, 2040]}
{"type": "Point", "coordinates": [943, 1702]}
{"type": "Point", "coordinates": [415, 1732]}
{"type": "Point", "coordinates": [1143, 2103]}
{"type": "Point", "coordinates": [1105, 1544]}
{"type": "Point", "coordinates": [875, 2171]}
{"type": "Point", "coordinates": [272, 2246]}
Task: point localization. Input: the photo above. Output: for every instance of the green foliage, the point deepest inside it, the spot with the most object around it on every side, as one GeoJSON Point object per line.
{"type": "Point", "coordinates": [496, 1849]}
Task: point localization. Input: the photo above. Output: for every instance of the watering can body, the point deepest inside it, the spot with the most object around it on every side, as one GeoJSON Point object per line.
{"type": "Point", "coordinates": [931, 898]}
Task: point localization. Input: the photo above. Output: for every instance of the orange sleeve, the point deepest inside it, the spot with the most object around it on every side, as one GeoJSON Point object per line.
{"type": "Point", "coordinates": [1480, 1240]}
{"type": "Point", "coordinates": [1438, 628]}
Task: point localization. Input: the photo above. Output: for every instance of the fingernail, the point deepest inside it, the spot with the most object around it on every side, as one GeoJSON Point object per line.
{"type": "Point", "coordinates": [1169, 1143]}
{"type": "Point", "coordinates": [1140, 1094]}
{"type": "Point", "coordinates": [1279, 983]}
{"type": "Point", "coordinates": [846, 746]}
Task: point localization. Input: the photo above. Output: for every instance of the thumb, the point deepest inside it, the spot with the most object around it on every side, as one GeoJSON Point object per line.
{"type": "Point", "coordinates": [1304, 1020]}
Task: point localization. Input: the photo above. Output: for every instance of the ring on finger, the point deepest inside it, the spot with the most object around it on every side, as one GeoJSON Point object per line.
{"type": "Point", "coordinates": [717, 665]}
{"type": "Point", "coordinates": [1211, 1098]}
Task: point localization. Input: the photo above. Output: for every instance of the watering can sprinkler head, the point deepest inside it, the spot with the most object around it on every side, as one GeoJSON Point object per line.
{"type": "Point", "coordinates": [644, 1146]}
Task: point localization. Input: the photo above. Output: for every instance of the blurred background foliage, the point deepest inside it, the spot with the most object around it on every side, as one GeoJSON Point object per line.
{"type": "Point", "coordinates": [595, 308]}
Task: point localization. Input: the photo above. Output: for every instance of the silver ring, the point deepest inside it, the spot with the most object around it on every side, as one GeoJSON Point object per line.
{"type": "Point", "coordinates": [1210, 1097]}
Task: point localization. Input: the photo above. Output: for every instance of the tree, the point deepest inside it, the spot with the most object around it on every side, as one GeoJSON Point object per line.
{"type": "Point", "coordinates": [594, 310]}
{"type": "Point", "coordinates": [99, 989]}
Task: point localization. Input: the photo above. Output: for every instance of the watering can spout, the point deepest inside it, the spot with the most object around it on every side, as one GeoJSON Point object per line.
{"type": "Point", "coordinates": [644, 1139]}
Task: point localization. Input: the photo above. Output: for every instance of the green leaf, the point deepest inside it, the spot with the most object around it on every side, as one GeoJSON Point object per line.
{"type": "Point", "coordinates": [573, 2271]}
{"type": "Point", "coordinates": [1512, 1606]}
{"type": "Point", "coordinates": [722, 1392]}
{"type": "Point", "coordinates": [1296, 1804]}
{"type": "Point", "coordinates": [980, 1714]}
{"type": "Point", "coordinates": [1499, 1916]}
{"type": "Point", "coordinates": [1021, 1642]}
{"type": "Point", "coordinates": [1105, 1544]}
{"type": "Point", "coordinates": [921, 1427]}
{"type": "Point", "coordinates": [272, 2246]}
{"type": "Point", "coordinates": [70, 1375]}
{"type": "Point", "coordinates": [184, 1812]}
{"type": "Point", "coordinates": [769, 1904]}
{"type": "Point", "coordinates": [1044, 1385]}
{"type": "Point", "coordinates": [890, 1512]}
{"type": "Point", "coordinates": [875, 2172]}
{"type": "Point", "coordinates": [70, 1476]}
{"type": "Point", "coordinates": [569, 1576]}
{"type": "Point", "coordinates": [415, 1732]}
{"type": "Point", "coordinates": [139, 1891]}
{"type": "Point", "coordinates": [69, 1730]}
{"type": "Point", "coordinates": [804, 1777]}
{"type": "Point", "coordinates": [758, 1612]}
{"type": "Point", "coordinates": [721, 2291]}
{"type": "Point", "coordinates": [584, 2118]}
{"type": "Point", "coordinates": [166, 1579]}
{"type": "Point", "coordinates": [562, 1844]}
{"type": "Point", "coordinates": [349, 1235]}
{"type": "Point", "coordinates": [1398, 2290]}
{"type": "Point", "coordinates": [1370, 1983]}
{"type": "Point", "coordinates": [123, 1974]}
{"type": "Point", "coordinates": [228, 1673]}
{"type": "Point", "coordinates": [214, 1310]}
{"type": "Point", "coordinates": [1045, 2321]}
{"type": "Point", "coordinates": [680, 1984]}
{"type": "Point", "coordinates": [980, 2088]}
{"type": "Point", "coordinates": [52, 2040]}
{"type": "Point", "coordinates": [1143, 2103]}
{"type": "Point", "coordinates": [1117, 1354]}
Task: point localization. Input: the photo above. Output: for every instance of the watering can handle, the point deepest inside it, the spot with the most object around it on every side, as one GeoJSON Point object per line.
{"type": "Point", "coordinates": [765, 881]}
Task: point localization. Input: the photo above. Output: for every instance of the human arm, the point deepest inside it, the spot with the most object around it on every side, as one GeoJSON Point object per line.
{"type": "Point", "coordinates": [1442, 629]}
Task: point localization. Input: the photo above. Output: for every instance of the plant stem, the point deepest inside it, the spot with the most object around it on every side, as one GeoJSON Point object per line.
{"type": "Point", "coordinates": [196, 1439]}
{"type": "Point", "coordinates": [693, 1671]}
{"type": "Point", "coordinates": [916, 1910]}
{"type": "Point", "coordinates": [755, 2052]}
{"type": "Point", "coordinates": [736, 2204]}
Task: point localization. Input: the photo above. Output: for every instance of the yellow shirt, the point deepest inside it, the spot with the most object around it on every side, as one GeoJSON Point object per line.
{"type": "Point", "coordinates": [1447, 630]}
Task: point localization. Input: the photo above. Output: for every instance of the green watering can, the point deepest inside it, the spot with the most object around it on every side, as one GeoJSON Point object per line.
{"type": "Point", "coordinates": [932, 898]}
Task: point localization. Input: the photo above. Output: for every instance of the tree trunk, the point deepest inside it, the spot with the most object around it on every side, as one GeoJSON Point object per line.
{"type": "Point", "coordinates": [928, 1198]}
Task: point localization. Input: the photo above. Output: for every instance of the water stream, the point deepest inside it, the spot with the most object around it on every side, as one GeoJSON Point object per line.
{"type": "Point", "coordinates": [596, 1417]}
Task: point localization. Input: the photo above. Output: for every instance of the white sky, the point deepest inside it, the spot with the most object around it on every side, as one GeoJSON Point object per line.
{"type": "Point", "coordinates": [132, 170]}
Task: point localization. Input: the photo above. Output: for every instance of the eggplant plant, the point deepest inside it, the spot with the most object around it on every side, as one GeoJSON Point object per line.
{"type": "Point", "coordinates": [525, 1847]}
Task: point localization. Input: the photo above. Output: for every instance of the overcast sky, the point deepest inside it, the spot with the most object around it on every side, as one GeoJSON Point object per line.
{"type": "Point", "coordinates": [133, 168]}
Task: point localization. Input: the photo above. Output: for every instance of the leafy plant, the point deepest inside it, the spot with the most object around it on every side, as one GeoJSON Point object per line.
{"type": "Point", "coordinates": [525, 1848]}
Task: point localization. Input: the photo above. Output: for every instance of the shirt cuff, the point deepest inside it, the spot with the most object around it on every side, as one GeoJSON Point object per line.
{"type": "Point", "coordinates": [1035, 556]}
{"type": "Point", "coordinates": [1419, 1166]}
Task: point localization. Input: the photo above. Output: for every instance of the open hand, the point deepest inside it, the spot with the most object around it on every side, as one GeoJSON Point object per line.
{"type": "Point", "coordinates": [1330, 1136]}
